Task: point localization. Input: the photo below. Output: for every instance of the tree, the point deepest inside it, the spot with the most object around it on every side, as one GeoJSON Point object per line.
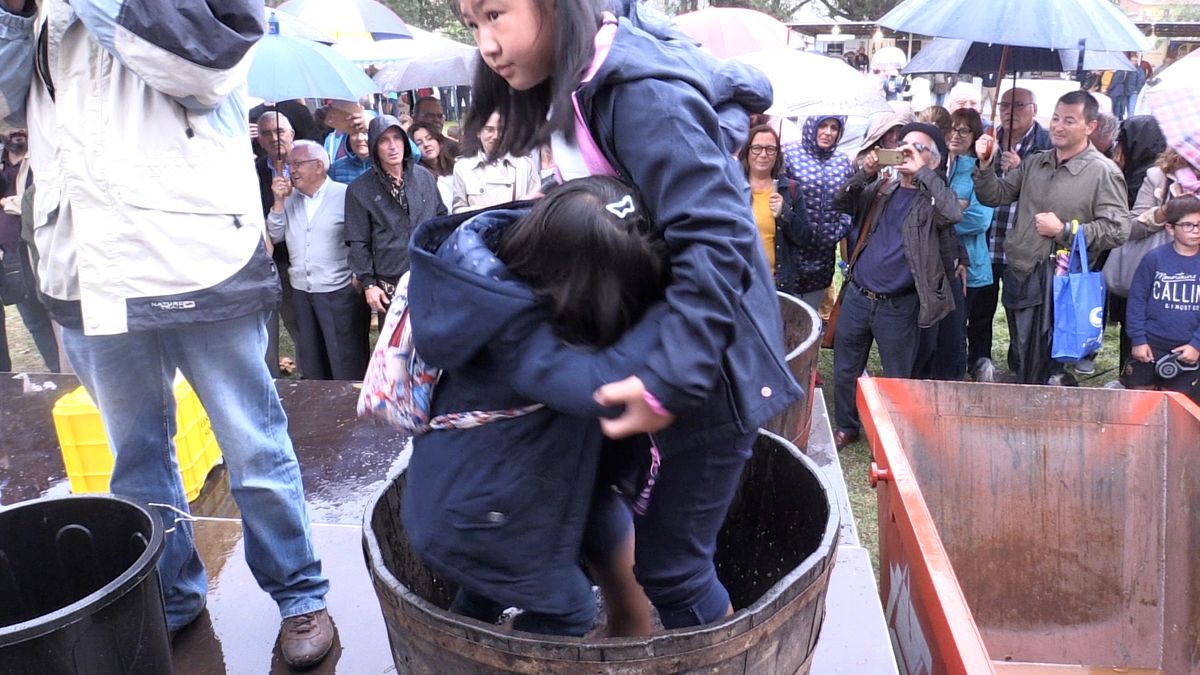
{"type": "Point", "coordinates": [858, 10]}
{"type": "Point", "coordinates": [432, 15]}
{"type": "Point", "coordinates": [784, 10]}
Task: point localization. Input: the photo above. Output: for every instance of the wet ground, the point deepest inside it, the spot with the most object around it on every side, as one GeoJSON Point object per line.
{"type": "Point", "coordinates": [344, 462]}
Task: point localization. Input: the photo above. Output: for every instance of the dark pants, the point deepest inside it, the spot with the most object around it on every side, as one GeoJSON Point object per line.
{"type": "Point", "coordinates": [677, 537]}
{"type": "Point", "coordinates": [37, 320]}
{"type": "Point", "coordinates": [942, 351]}
{"type": "Point", "coordinates": [981, 310]}
{"type": "Point", "coordinates": [285, 313]}
{"type": "Point", "coordinates": [482, 609]}
{"type": "Point", "coordinates": [5, 361]}
{"type": "Point", "coordinates": [892, 324]}
{"type": "Point", "coordinates": [332, 343]}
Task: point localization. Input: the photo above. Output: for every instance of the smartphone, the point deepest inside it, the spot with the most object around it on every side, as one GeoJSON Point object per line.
{"type": "Point", "coordinates": [889, 157]}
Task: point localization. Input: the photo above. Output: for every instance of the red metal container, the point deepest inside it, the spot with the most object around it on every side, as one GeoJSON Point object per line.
{"type": "Point", "coordinates": [1036, 529]}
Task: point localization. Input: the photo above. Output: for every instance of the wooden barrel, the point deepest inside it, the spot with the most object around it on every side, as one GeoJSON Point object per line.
{"type": "Point", "coordinates": [802, 339]}
{"type": "Point", "coordinates": [775, 554]}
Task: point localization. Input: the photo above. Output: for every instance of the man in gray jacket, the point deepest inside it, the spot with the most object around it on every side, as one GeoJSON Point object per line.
{"type": "Point", "coordinates": [1072, 182]}
{"type": "Point", "coordinates": [149, 231]}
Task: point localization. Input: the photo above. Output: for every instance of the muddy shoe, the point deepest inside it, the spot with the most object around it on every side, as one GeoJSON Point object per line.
{"type": "Point", "coordinates": [306, 639]}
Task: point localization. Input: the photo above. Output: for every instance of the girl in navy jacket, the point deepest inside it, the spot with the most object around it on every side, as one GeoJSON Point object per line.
{"type": "Point", "coordinates": [615, 89]}
{"type": "Point", "coordinates": [499, 507]}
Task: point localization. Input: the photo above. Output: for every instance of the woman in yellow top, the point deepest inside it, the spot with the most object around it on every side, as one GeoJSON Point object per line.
{"type": "Point", "coordinates": [778, 206]}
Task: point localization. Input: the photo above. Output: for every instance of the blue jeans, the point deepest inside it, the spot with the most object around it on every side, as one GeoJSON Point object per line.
{"type": "Point", "coordinates": [891, 323]}
{"type": "Point", "coordinates": [130, 377]}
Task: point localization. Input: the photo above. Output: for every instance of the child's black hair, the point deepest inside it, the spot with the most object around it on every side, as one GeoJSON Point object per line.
{"type": "Point", "coordinates": [589, 250]}
{"type": "Point", "coordinates": [1181, 206]}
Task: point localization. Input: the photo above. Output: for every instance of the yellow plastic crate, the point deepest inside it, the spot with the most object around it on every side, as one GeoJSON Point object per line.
{"type": "Point", "coordinates": [89, 461]}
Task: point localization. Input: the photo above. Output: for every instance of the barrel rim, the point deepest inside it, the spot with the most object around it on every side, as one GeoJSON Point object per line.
{"type": "Point", "coordinates": [814, 335]}
{"type": "Point", "coordinates": [102, 597]}
{"type": "Point", "coordinates": [744, 619]}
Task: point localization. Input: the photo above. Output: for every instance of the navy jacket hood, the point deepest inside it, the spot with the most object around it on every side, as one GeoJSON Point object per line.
{"type": "Point", "coordinates": [452, 257]}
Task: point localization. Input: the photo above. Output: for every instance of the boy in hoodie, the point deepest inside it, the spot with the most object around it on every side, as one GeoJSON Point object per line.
{"type": "Point", "coordinates": [383, 206]}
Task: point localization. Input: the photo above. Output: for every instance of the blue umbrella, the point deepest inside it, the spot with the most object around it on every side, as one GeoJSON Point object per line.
{"type": "Point", "coordinates": [1051, 24]}
{"type": "Point", "coordinates": [285, 68]}
{"type": "Point", "coordinates": [944, 55]}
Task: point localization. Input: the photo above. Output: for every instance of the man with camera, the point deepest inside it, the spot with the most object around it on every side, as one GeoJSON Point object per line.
{"type": "Point", "coordinates": [904, 244]}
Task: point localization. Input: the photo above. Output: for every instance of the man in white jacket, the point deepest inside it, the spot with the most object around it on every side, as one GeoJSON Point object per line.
{"type": "Point", "coordinates": [149, 229]}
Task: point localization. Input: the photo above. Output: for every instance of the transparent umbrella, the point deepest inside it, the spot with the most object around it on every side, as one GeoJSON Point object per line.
{"type": "Point", "coordinates": [813, 84]}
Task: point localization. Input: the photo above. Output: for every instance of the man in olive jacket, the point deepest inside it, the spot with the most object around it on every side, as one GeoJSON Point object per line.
{"type": "Point", "coordinates": [1071, 182]}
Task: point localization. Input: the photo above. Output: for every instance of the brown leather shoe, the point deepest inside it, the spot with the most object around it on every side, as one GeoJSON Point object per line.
{"type": "Point", "coordinates": [843, 438]}
{"type": "Point", "coordinates": [306, 639]}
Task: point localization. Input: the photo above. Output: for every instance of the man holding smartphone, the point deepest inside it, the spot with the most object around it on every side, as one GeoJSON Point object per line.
{"type": "Point", "coordinates": [904, 244]}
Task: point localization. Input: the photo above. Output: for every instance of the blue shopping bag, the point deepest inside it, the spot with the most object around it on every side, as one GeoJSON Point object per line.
{"type": "Point", "coordinates": [1078, 307]}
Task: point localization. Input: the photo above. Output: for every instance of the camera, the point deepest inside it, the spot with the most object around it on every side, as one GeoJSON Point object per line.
{"type": "Point", "coordinates": [1169, 366]}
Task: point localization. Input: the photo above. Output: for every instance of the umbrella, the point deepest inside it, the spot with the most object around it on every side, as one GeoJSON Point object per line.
{"type": "Point", "coordinates": [445, 67]}
{"type": "Point", "coordinates": [945, 55]}
{"type": "Point", "coordinates": [829, 86]}
{"type": "Point", "coordinates": [1178, 113]}
{"type": "Point", "coordinates": [729, 31]}
{"type": "Point", "coordinates": [348, 18]}
{"type": "Point", "coordinates": [1060, 24]}
{"type": "Point", "coordinates": [294, 26]}
{"type": "Point", "coordinates": [385, 51]}
{"type": "Point", "coordinates": [285, 68]}
{"type": "Point", "coordinates": [888, 58]}
{"type": "Point", "coordinates": [1182, 74]}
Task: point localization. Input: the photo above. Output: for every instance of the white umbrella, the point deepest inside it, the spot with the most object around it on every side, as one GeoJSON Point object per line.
{"type": "Point", "coordinates": [888, 58]}
{"type": "Point", "coordinates": [294, 26]}
{"type": "Point", "coordinates": [365, 52]}
{"type": "Point", "coordinates": [1182, 74]}
{"type": "Point", "coordinates": [444, 67]}
{"type": "Point", "coordinates": [814, 84]}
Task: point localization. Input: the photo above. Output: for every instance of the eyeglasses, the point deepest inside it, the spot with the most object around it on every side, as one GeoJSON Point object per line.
{"type": "Point", "coordinates": [961, 131]}
{"type": "Point", "coordinates": [1188, 225]}
{"type": "Point", "coordinates": [921, 147]}
{"type": "Point", "coordinates": [296, 165]}
{"type": "Point", "coordinates": [1019, 105]}
{"type": "Point", "coordinates": [770, 150]}
{"type": "Point", "coordinates": [491, 130]}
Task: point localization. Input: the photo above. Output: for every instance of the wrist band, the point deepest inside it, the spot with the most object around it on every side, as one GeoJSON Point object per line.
{"type": "Point", "coordinates": [656, 406]}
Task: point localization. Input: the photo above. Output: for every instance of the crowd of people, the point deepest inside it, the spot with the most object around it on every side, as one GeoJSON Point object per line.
{"type": "Point", "coordinates": [608, 351]}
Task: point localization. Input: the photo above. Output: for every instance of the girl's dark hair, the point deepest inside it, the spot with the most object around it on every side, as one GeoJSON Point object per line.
{"type": "Point", "coordinates": [744, 153]}
{"type": "Point", "coordinates": [590, 252]}
{"type": "Point", "coordinates": [525, 112]}
{"type": "Point", "coordinates": [970, 118]}
{"type": "Point", "coordinates": [1181, 206]}
{"type": "Point", "coordinates": [447, 149]}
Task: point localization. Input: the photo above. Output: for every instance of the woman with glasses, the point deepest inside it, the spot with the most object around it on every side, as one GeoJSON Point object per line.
{"type": "Point", "coordinates": [779, 210]}
{"type": "Point", "coordinates": [482, 179]}
{"type": "Point", "coordinates": [820, 171]}
{"type": "Point", "coordinates": [951, 356]}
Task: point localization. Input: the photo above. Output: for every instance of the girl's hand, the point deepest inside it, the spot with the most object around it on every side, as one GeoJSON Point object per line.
{"type": "Point", "coordinates": [1142, 353]}
{"type": "Point", "coordinates": [638, 417]}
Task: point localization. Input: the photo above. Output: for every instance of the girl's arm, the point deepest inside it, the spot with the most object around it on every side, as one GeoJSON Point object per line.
{"type": "Point", "coordinates": [564, 377]}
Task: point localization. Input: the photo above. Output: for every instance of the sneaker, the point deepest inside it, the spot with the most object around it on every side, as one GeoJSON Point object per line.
{"type": "Point", "coordinates": [306, 639]}
{"type": "Point", "coordinates": [1115, 384]}
{"type": "Point", "coordinates": [985, 370]}
{"type": "Point", "coordinates": [1085, 366]}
